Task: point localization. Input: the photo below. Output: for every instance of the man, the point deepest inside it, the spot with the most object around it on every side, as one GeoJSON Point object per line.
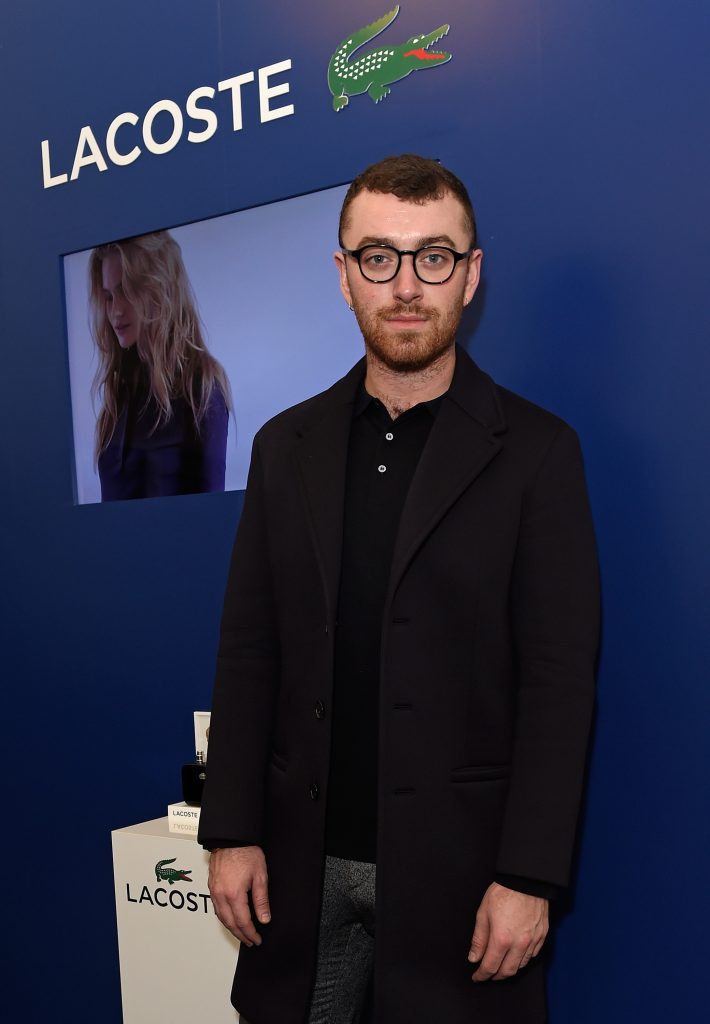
{"type": "Point", "coordinates": [405, 673]}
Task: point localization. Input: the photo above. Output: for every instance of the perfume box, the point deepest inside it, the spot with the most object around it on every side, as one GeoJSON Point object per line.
{"type": "Point", "coordinates": [183, 818]}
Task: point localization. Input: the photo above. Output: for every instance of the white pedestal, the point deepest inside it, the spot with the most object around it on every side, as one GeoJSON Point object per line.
{"type": "Point", "coordinates": [177, 961]}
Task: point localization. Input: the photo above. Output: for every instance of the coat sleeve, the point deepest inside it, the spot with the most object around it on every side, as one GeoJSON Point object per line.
{"type": "Point", "coordinates": [555, 614]}
{"type": "Point", "coordinates": [246, 683]}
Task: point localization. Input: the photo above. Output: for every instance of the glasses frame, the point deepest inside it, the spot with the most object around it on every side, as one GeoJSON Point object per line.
{"type": "Point", "coordinates": [357, 253]}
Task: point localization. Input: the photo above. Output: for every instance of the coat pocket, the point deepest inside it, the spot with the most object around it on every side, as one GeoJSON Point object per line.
{"type": "Point", "coordinates": [480, 773]}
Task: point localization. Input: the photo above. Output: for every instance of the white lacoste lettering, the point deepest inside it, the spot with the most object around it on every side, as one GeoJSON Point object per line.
{"type": "Point", "coordinates": [163, 125]}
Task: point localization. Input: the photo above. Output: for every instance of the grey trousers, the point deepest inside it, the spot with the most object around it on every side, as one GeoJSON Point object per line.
{"type": "Point", "coordinates": [346, 943]}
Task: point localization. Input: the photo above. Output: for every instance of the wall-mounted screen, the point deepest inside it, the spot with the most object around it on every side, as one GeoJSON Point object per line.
{"type": "Point", "coordinates": [182, 343]}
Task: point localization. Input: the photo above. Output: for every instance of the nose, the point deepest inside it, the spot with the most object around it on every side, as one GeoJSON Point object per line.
{"type": "Point", "coordinates": [407, 286]}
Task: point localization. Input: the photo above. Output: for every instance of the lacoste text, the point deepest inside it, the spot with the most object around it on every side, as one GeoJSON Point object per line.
{"type": "Point", "coordinates": [125, 150]}
{"type": "Point", "coordinates": [175, 898]}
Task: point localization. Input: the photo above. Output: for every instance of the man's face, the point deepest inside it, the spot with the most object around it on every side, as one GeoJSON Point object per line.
{"type": "Point", "coordinates": [406, 323]}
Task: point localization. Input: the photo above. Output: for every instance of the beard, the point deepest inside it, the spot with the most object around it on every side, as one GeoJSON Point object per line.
{"type": "Point", "coordinates": [408, 351]}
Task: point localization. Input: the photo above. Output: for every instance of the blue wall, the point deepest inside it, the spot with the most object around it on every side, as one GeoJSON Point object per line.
{"type": "Point", "coordinates": [582, 131]}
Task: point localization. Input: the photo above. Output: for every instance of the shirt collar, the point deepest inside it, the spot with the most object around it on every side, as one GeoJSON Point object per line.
{"type": "Point", "coordinates": [363, 400]}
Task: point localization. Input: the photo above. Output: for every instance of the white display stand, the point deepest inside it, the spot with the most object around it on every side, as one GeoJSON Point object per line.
{"type": "Point", "coordinates": [177, 961]}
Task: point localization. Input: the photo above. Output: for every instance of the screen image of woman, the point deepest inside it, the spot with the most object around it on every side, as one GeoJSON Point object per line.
{"type": "Point", "coordinates": [165, 400]}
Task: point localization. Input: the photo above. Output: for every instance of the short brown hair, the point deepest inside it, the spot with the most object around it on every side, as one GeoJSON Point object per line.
{"type": "Point", "coordinates": [413, 178]}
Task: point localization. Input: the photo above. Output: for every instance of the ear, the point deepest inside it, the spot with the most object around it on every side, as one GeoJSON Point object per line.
{"type": "Point", "coordinates": [473, 275]}
{"type": "Point", "coordinates": [340, 263]}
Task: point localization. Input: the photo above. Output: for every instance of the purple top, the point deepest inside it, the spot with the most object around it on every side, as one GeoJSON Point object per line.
{"type": "Point", "coordinates": [177, 457]}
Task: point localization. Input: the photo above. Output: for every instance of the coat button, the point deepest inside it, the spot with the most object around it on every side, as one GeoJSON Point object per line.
{"type": "Point", "coordinates": [320, 709]}
{"type": "Point", "coordinates": [314, 791]}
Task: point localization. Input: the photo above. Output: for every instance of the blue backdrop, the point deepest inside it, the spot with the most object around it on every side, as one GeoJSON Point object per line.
{"type": "Point", "coordinates": [582, 131]}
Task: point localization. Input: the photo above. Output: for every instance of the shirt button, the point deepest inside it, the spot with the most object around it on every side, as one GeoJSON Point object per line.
{"type": "Point", "coordinates": [314, 791]}
{"type": "Point", "coordinates": [389, 435]}
{"type": "Point", "coordinates": [320, 709]}
{"type": "Point", "coordinates": [382, 469]}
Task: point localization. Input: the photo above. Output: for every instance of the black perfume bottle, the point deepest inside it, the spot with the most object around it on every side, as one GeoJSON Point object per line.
{"type": "Point", "coordinates": [193, 780]}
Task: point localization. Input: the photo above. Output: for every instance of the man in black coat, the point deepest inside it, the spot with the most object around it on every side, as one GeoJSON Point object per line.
{"type": "Point", "coordinates": [405, 674]}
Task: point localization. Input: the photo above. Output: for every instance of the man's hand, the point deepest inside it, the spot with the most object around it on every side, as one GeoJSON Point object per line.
{"type": "Point", "coordinates": [234, 872]}
{"type": "Point", "coordinates": [511, 928]}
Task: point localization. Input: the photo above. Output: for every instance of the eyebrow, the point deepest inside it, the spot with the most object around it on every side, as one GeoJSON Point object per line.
{"type": "Point", "coordinates": [419, 243]}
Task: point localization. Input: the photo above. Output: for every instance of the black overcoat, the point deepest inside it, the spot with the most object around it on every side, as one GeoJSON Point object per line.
{"type": "Point", "coordinates": [489, 637]}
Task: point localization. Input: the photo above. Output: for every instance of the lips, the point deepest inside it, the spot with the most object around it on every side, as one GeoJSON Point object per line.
{"type": "Point", "coordinates": [404, 326]}
{"type": "Point", "coordinates": [405, 318]}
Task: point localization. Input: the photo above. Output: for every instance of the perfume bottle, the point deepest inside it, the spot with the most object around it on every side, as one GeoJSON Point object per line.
{"type": "Point", "coordinates": [193, 780]}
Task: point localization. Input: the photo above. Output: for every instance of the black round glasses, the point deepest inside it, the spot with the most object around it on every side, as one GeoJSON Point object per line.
{"type": "Point", "coordinates": [433, 264]}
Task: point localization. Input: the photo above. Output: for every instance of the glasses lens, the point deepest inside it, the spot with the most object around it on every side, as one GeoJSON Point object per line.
{"type": "Point", "coordinates": [379, 262]}
{"type": "Point", "coordinates": [434, 264]}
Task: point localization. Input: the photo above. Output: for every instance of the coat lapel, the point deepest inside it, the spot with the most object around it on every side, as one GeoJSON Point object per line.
{"type": "Point", "coordinates": [463, 440]}
{"type": "Point", "coordinates": [321, 458]}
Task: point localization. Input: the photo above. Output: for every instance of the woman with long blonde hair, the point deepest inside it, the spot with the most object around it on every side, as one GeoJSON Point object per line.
{"type": "Point", "coordinates": [165, 400]}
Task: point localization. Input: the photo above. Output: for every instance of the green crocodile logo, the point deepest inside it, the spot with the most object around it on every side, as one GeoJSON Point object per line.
{"type": "Point", "coordinates": [163, 874]}
{"type": "Point", "coordinates": [376, 70]}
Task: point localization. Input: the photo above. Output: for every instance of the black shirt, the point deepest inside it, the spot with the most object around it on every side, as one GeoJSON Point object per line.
{"type": "Point", "coordinates": [382, 456]}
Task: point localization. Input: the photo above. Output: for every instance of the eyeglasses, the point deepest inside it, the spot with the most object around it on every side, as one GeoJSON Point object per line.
{"type": "Point", "coordinates": [433, 264]}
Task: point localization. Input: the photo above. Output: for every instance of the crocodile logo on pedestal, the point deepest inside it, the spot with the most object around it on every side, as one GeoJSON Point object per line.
{"type": "Point", "coordinates": [163, 874]}
{"type": "Point", "coordinates": [377, 69]}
